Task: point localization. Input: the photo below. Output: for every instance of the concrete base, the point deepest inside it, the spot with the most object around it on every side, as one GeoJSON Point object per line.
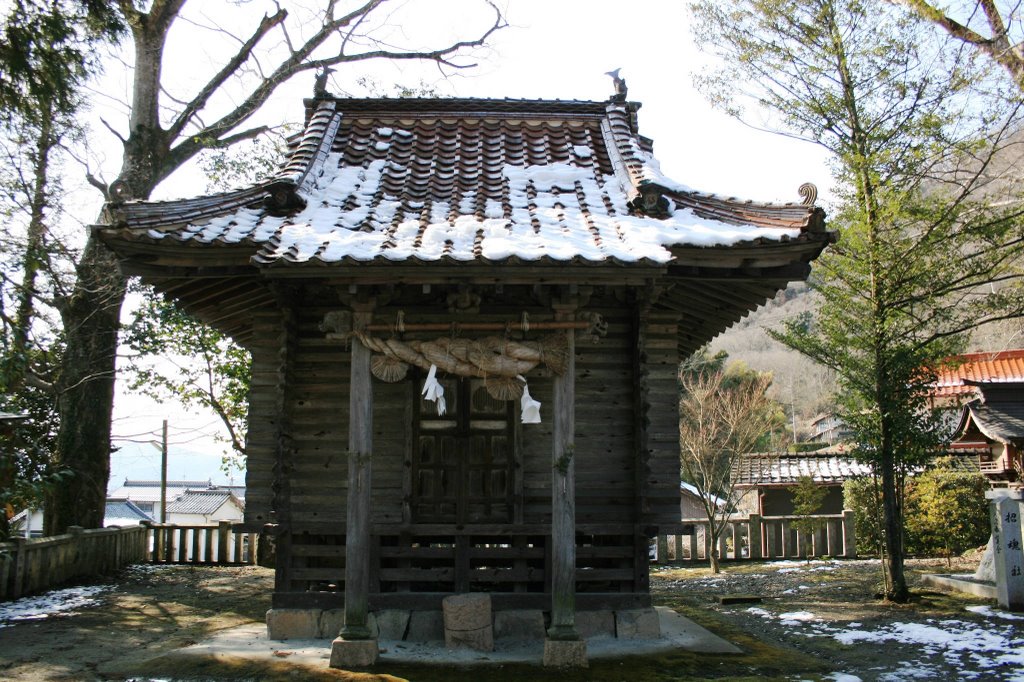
{"type": "Point", "coordinates": [285, 624]}
{"type": "Point", "coordinates": [250, 642]}
{"type": "Point", "coordinates": [595, 624]}
{"type": "Point", "coordinates": [961, 583]}
{"type": "Point", "coordinates": [521, 624]}
{"type": "Point", "coordinates": [565, 654]}
{"type": "Point", "coordinates": [354, 653]}
{"type": "Point", "coordinates": [637, 624]}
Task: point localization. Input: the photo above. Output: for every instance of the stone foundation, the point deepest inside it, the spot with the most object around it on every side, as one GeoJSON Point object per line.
{"type": "Point", "coordinates": [563, 654]}
{"type": "Point", "coordinates": [354, 653]}
{"type": "Point", "coordinates": [428, 626]}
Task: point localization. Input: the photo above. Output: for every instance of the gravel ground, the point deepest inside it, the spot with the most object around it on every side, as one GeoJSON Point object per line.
{"type": "Point", "coordinates": [832, 614]}
{"type": "Point", "coordinates": [817, 621]}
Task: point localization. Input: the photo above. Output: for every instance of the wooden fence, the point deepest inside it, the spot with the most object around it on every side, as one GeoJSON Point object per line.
{"type": "Point", "coordinates": [761, 538]}
{"type": "Point", "coordinates": [216, 545]}
{"type": "Point", "coordinates": [30, 565]}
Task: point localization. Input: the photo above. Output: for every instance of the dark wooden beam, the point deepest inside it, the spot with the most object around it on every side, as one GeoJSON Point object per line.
{"type": "Point", "coordinates": [563, 492]}
{"type": "Point", "coordinates": [790, 272]}
{"type": "Point", "coordinates": [360, 450]}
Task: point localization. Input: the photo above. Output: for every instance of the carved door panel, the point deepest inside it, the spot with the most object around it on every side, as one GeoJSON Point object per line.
{"type": "Point", "coordinates": [462, 466]}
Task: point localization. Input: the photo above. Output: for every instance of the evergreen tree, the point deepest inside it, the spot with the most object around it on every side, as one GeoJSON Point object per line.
{"type": "Point", "coordinates": [808, 497]}
{"type": "Point", "coordinates": [930, 236]}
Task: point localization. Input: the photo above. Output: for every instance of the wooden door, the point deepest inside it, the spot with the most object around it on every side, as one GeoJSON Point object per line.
{"type": "Point", "coordinates": [462, 466]}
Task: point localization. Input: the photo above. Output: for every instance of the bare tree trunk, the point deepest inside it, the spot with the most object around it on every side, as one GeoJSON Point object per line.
{"type": "Point", "coordinates": [151, 153]}
{"type": "Point", "coordinates": [896, 589]}
{"type": "Point", "coordinates": [86, 391]}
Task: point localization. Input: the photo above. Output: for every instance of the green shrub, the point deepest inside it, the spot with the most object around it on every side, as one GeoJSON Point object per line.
{"type": "Point", "coordinates": [859, 496]}
{"type": "Point", "coordinates": [945, 512]}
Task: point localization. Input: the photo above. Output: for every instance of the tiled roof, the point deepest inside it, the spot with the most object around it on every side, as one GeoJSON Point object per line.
{"type": "Point", "coordinates": [128, 483]}
{"type": "Point", "coordinates": [465, 180]}
{"type": "Point", "coordinates": [830, 465]}
{"type": "Point", "coordinates": [999, 413]}
{"type": "Point", "coordinates": [122, 512]}
{"type": "Point", "coordinates": [992, 367]}
{"type": "Point", "coordinates": [199, 501]}
{"type": "Point", "coordinates": [833, 465]}
{"type": "Point", "coordinates": [149, 491]}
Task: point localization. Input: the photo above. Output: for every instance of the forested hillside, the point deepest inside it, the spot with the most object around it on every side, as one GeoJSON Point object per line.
{"type": "Point", "coordinates": [801, 383]}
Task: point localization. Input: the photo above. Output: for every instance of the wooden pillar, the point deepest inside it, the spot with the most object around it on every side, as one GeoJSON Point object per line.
{"type": "Point", "coordinates": [563, 496]}
{"type": "Point", "coordinates": [754, 536]}
{"type": "Point", "coordinates": [360, 448]}
{"type": "Point", "coordinates": [849, 535]}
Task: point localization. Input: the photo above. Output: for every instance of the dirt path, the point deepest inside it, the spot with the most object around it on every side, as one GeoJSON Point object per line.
{"type": "Point", "coordinates": [813, 622]}
{"type": "Point", "coordinates": [147, 613]}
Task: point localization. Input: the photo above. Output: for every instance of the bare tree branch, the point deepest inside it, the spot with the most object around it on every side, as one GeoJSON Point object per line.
{"type": "Point", "coordinates": [229, 69]}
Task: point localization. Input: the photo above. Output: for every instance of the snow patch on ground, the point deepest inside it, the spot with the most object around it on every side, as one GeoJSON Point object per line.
{"type": "Point", "coordinates": [42, 606]}
{"type": "Point", "coordinates": [989, 612]}
{"type": "Point", "coordinates": [979, 649]}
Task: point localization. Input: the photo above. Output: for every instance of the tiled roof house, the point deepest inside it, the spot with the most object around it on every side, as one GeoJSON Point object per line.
{"type": "Point", "coordinates": [992, 425]}
{"type": "Point", "coordinates": [123, 512]}
{"type": "Point", "coordinates": [763, 481]}
{"type": "Point", "coordinates": [962, 379]}
{"type": "Point", "coordinates": [524, 261]}
{"type": "Point", "coordinates": [204, 507]}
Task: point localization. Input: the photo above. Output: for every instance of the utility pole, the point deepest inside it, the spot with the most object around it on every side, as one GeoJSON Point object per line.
{"type": "Point", "coordinates": [163, 475]}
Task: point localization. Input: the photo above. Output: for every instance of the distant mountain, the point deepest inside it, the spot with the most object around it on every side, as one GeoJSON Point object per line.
{"type": "Point", "coordinates": [801, 385]}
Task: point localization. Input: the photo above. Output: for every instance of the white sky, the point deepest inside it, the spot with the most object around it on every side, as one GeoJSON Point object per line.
{"type": "Point", "coordinates": [554, 49]}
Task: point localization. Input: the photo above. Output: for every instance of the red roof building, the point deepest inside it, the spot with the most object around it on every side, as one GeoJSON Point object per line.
{"type": "Point", "coordinates": [1005, 366]}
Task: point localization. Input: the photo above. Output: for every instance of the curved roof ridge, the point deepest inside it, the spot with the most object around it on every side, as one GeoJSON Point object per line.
{"type": "Point", "coordinates": [294, 175]}
{"type": "Point", "coordinates": [640, 175]}
{"type": "Point", "coordinates": [313, 146]}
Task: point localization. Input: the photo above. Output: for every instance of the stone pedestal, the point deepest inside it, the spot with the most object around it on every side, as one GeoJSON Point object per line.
{"type": "Point", "coordinates": [637, 624]}
{"type": "Point", "coordinates": [354, 653]}
{"type": "Point", "coordinates": [1007, 546]}
{"type": "Point", "coordinates": [565, 653]}
{"type": "Point", "coordinates": [467, 621]}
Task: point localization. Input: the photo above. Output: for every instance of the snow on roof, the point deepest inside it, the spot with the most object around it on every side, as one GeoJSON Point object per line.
{"type": "Point", "coordinates": [149, 491]}
{"type": "Point", "coordinates": [832, 465]}
{"type": "Point", "coordinates": [692, 489]}
{"type": "Point", "coordinates": [472, 182]}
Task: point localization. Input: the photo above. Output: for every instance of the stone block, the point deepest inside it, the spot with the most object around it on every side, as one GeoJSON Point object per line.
{"type": "Point", "coordinates": [331, 622]}
{"type": "Point", "coordinates": [565, 654]}
{"type": "Point", "coordinates": [519, 624]}
{"type": "Point", "coordinates": [637, 624]}
{"type": "Point", "coordinates": [595, 624]}
{"type": "Point", "coordinates": [283, 624]}
{"type": "Point", "coordinates": [391, 624]}
{"type": "Point", "coordinates": [425, 626]}
{"type": "Point", "coordinates": [467, 621]}
{"type": "Point", "coordinates": [354, 653]}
